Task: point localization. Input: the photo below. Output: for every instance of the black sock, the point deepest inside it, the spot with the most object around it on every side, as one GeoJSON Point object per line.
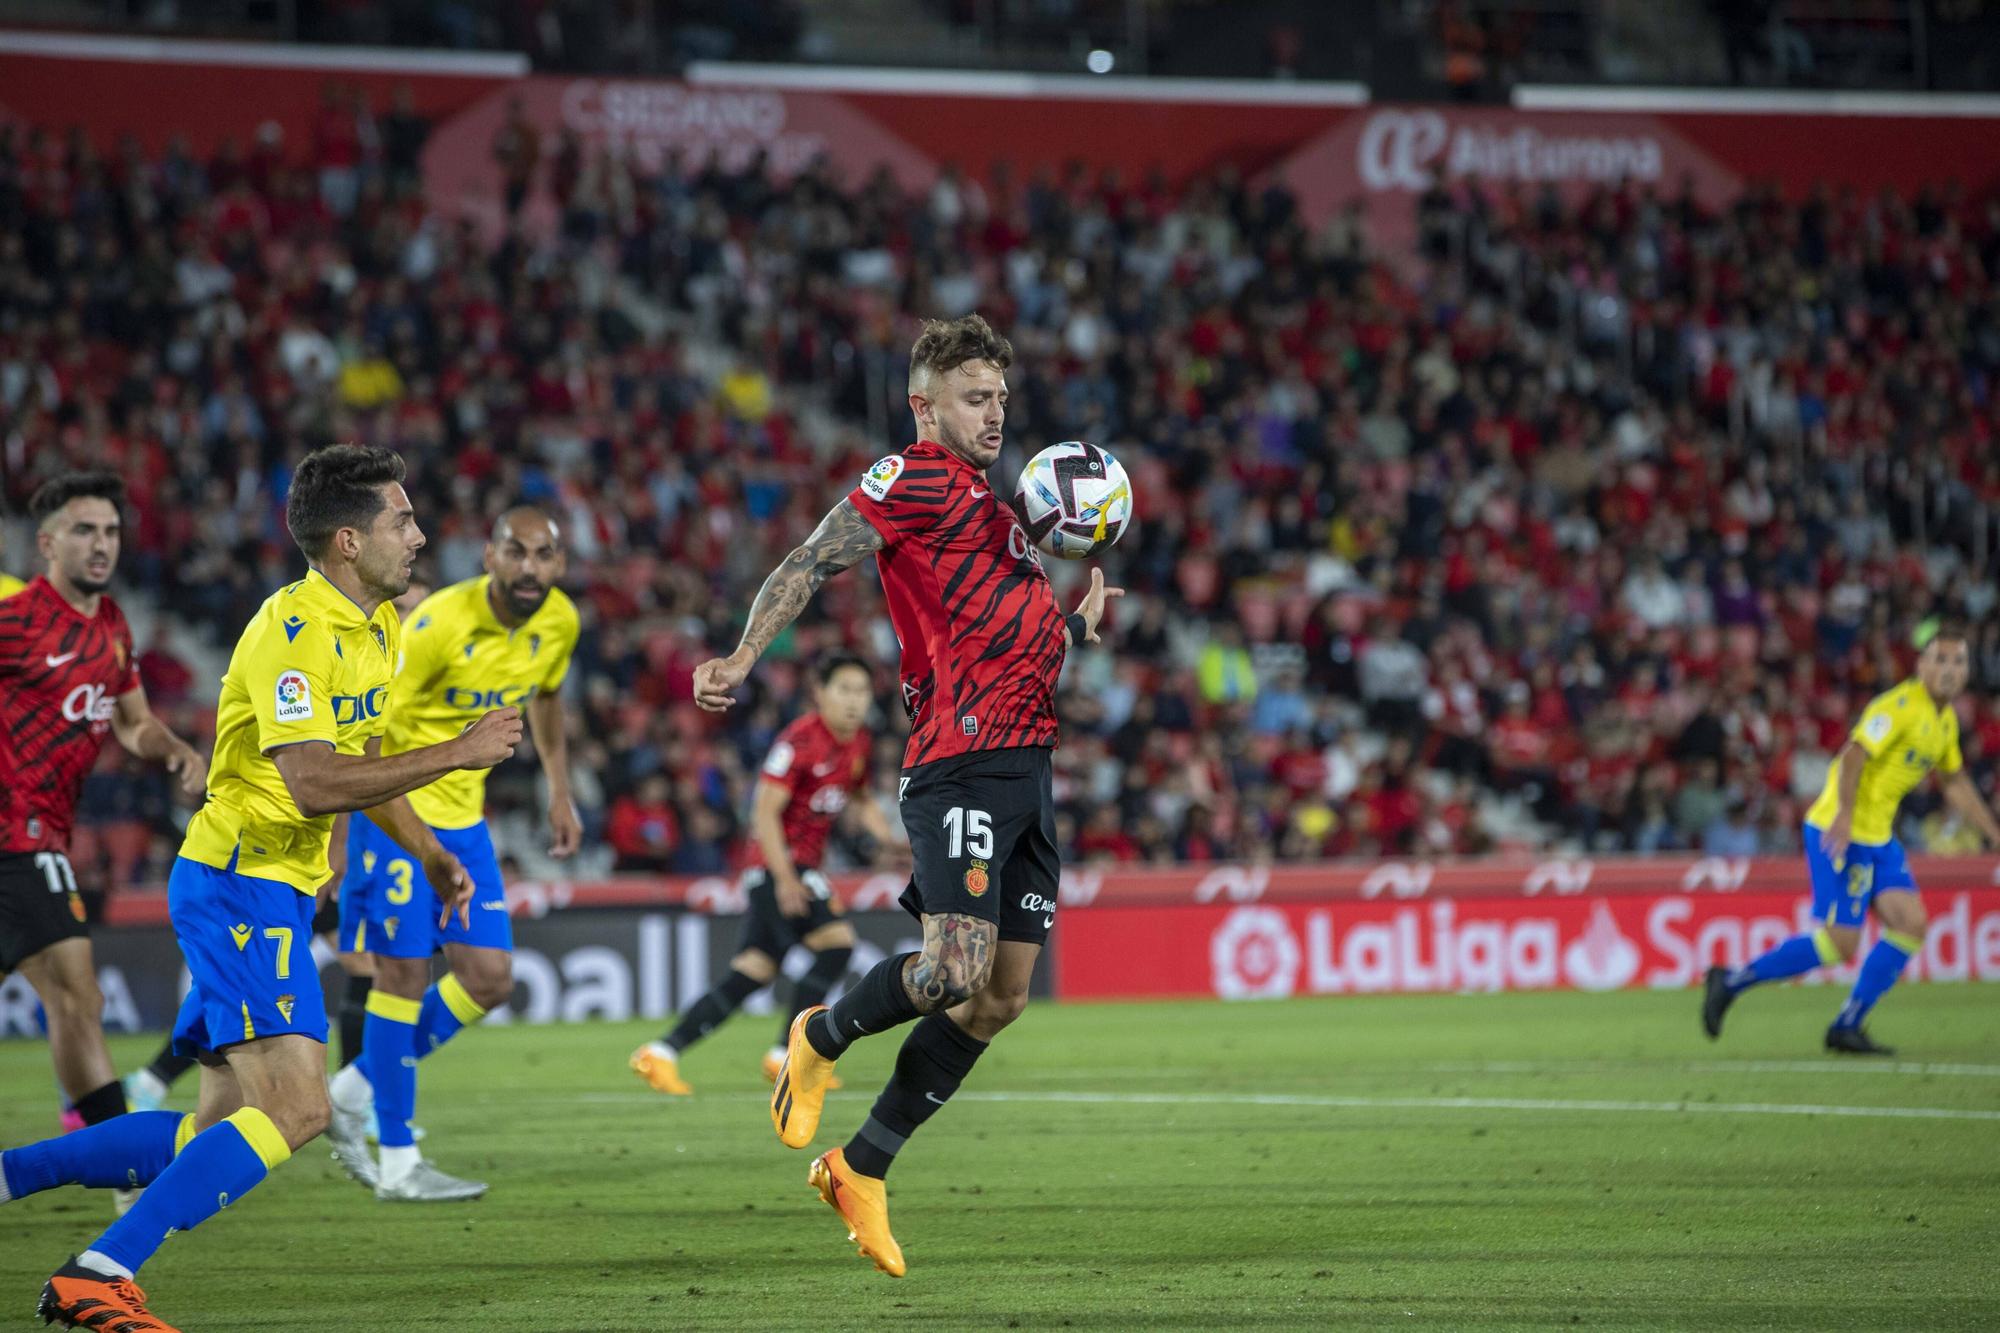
{"type": "Point", "coordinates": [706, 1014]}
{"type": "Point", "coordinates": [936, 1057]}
{"type": "Point", "coordinates": [354, 1018]}
{"type": "Point", "coordinates": [99, 1106]}
{"type": "Point", "coordinates": [167, 1066]}
{"type": "Point", "coordinates": [829, 966]}
{"type": "Point", "coordinates": [876, 1003]}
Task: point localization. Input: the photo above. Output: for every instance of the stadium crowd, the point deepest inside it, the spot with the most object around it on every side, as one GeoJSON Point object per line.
{"type": "Point", "coordinates": [1597, 528]}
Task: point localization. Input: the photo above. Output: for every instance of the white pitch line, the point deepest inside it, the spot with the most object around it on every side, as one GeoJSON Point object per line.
{"type": "Point", "coordinates": [1390, 1103]}
{"type": "Point", "coordinates": [1906, 1067]}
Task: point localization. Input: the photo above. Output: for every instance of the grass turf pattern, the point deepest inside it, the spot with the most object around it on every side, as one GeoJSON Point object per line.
{"type": "Point", "coordinates": [1453, 1162]}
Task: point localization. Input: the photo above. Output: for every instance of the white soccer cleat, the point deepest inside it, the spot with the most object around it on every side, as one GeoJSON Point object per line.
{"type": "Point", "coordinates": [144, 1091]}
{"type": "Point", "coordinates": [348, 1132]}
{"type": "Point", "coordinates": [424, 1183]}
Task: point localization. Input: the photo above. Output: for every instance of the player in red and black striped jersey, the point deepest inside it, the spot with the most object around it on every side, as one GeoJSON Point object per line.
{"type": "Point", "coordinates": [815, 766]}
{"type": "Point", "coordinates": [983, 642]}
{"type": "Point", "coordinates": [67, 683]}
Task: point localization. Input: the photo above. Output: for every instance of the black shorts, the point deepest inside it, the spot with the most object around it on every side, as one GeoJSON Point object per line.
{"type": "Point", "coordinates": [982, 832]}
{"type": "Point", "coordinates": [770, 931]}
{"type": "Point", "coordinates": [39, 905]}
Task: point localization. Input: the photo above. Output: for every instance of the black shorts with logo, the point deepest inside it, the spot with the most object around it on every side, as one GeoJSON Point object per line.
{"type": "Point", "coordinates": [770, 931]}
{"type": "Point", "coordinates": [39, 905]}
{"type": "Point", "coordinates": [982, 832]}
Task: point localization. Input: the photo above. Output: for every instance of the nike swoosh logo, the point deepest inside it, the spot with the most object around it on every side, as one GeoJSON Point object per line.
{"type": "Point", "coordinates": [932, 1096]}
{"type": "Point", "coordinates": [55, 661]}
{"type": "Point", "coordinates": [1048, 920]}
{"type": "Point", "coordinates": [978, 494]}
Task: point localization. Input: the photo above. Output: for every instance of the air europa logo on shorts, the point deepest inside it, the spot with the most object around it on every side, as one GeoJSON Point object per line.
{"type": "Point", "coordinates": [976, 880]}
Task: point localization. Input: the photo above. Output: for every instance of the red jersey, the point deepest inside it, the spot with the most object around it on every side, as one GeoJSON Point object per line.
{"type": "Point", "coordinates": [60, 676]}
{"type": "Point", "coordinates": [982, 637]}
{"type": "Point", "coordinates": [819, 770]}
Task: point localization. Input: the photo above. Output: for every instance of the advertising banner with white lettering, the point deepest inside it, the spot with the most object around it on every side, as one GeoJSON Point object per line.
{"type": "Point", "coordinates": [569, 966]}
{"type": "Point", "coordinates": [1587, 942]}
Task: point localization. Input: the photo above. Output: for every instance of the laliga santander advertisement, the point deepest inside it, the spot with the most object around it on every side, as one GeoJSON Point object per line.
{"type": "Point", "coordinates": [1610, 942]}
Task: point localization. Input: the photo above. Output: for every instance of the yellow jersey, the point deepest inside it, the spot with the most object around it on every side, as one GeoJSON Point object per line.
{"type": "Point", "coordinates": [310, 667]}
{"type": "Point", "coordinates": [1905, 735]}
{"type": "Point", "coordinates": [459, 662]}
{"type": "Point", "coordinates": [9, 585]}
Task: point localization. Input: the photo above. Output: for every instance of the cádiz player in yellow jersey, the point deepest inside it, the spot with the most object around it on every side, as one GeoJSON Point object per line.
{"type": "Point", "coordinates": [9, 585]}
{"type": "Point", "coordinates": [1852, 852]}
{"type": "Point", "coordinates": [298, 740]}
{"type": "Point", "coordinates": [503, 639]}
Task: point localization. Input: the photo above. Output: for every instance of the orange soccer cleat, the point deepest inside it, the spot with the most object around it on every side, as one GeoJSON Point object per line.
{"type": "Point", "coordinates": [774, 1060]}
{"type": "Point", "coordinates": [863, 1202]}
{"type": "Point", "coordinates": [78, 1297]}
{"type": "Point", "coordinates": [660, 1070]}
{"type": "Point", "coordinates": [802, 1085]}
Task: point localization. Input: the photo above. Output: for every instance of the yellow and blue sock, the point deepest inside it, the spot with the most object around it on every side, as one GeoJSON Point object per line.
{"type": "Point", "coordinates": [389, 1059]}
{"type": "Point", "coordinates": [447, 1007]}
{"type": "Point", "coordinates": [1799, 954]}
{"type": "Point", "coordinates": [1879, 971]}
{"type": "Point", "coordinates": [212, 1170]}
{"type": "Point", "coordinates": [124, 1152]}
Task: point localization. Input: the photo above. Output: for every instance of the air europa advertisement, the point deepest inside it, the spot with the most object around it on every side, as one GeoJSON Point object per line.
{"type": "Point", "coordinates": [1271, 950]}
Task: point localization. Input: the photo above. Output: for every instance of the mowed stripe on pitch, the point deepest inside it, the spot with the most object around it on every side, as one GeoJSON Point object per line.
{"type": "Point", "coordinates": [1331, 1102]}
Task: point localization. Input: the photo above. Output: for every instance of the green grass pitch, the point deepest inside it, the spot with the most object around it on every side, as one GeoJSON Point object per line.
{"type": "Point", "coordinates": [1525, 1161]}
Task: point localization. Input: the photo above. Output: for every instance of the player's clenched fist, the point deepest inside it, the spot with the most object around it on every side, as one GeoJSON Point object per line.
{"type": "Point", "coordinates": [490, 740]}
{"type": "Point", "coordinates": [715, 678]}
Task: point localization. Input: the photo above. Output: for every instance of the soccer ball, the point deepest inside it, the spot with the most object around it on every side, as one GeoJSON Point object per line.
{"type": "Point", "coordinates": [1074, 500]}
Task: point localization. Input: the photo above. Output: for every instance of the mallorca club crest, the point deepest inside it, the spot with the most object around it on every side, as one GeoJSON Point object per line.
{"type": "Point", "coordinates": [976, 879]}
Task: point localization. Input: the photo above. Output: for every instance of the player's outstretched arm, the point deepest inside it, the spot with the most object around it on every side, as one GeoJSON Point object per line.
{"type": "Point", "coordinates": [1963, 796]}
{"type": "Point", "coordinates": [1852, 759]}
{"type": "Point", "coordinates": [545, 723]}
{"type": "Point", "coordinates": [1091, 609]}
{"type": "Point", "coordinates": [843, 539]}
{"type": "Point", "coordinates": [325, 782]}
{"type": "Point", "coordinates": [142, 733]}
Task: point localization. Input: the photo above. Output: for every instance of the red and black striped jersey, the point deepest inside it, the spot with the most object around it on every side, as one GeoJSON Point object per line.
{"type": "Point", "coordinates": [60, 678]}
{"type": "Point", "coordinates": [820, 770]}
{"type": "Point", "coordinates": [982, 637]}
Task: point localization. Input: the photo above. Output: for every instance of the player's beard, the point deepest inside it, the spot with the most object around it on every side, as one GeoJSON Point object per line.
{"type": "Point", "coordinates": [388, 580]}
{"type": "Point", "coordinates": [967, 447]}
{"type": "Point", "coordinates": [88, 586]}
{"type": "Point", "coordinates": [523, 604]}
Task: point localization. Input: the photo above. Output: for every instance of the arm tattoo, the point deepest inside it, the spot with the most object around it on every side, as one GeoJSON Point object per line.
{"type": "Point", "coordinates": [956, 962]}
{"type": "Point", "coordinates": [843, 538]}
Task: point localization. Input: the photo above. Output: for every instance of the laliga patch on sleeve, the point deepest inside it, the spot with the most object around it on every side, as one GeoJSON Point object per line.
{"type": "Point", "coordinates": [295, 700]}
{"type": "Point", "coordinates": [779, 761]}
{"type": "Point", "coordinates": [1877, 727]}
{"type": "Point", "coordinates": [875, 483]}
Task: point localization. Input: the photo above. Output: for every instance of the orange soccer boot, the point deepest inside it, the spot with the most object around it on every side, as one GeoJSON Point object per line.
{"type": "Point", "coordinates": [801, 1089]}
{"type": "Point", "coordinates": [863, 1203]}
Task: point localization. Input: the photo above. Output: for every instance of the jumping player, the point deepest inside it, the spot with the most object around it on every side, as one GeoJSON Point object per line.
{"type": "Point", "coordinates": [814, 766]}
{"type": "Point", "coordinates": [67, 683]}
{"type": "Point", "coordinates": [983, 643]}
{"type": "Point", "coordinates": [298, 739]}
{"type": "Point", "coordinates": [504, 638]}
{"type": "Point", "coordinates": [1852, 852]}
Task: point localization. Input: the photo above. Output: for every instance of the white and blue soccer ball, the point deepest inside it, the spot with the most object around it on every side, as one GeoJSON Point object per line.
{"type": "Point", "coordinates": [1074, 499]}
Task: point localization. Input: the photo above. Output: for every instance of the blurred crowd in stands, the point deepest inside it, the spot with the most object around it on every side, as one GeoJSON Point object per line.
{"type": "Point", "coordinates": [1595, 528]}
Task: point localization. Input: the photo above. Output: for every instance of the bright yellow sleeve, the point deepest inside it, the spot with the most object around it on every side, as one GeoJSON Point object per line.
{"type": "Point", "coordinates": [1951, 760]}
{"type": "Point", "coordinates": [417, 660]}
{"type": "Point", "coordinates": [287, 672]}
{"type": "Point", "coordinates": [1877, 728]}
{"type": "Point", "coordinates": [565, 632]}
